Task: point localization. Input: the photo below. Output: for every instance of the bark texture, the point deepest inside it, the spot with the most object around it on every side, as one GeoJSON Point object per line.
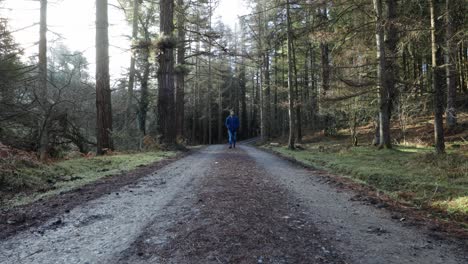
{"type": "Point", "coordinates": [291, 97]}
{"type": "Point", "coordinates": [451, 71]}
{"type": "Point", "coordinates": [166, 100]}
{"type": "Point", "coordinates": [437, 75]}
{"type": "Point", "coordinates": [180, 73]}
{"type": "Point", "coordinates": [42, 83]}
{"type": "Point", "coordinates": [103, 92]}
{"type": "Point", "coordinates": [131, 73]}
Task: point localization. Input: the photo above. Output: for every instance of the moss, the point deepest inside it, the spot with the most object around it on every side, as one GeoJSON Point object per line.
{"type": "Point", "coordinates": [456, 206]}
{"type": "Point", "coordinates": [165, 42]}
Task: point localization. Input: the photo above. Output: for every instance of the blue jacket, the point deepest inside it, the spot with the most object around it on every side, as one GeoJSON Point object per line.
{"type": "Point", "coordinates": [232, 123]}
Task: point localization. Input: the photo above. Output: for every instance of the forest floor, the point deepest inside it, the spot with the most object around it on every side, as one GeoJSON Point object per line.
{"type": "Point", "coordinates": [222, 205]}
{"type": "Point", "coordinates": [410, 175]}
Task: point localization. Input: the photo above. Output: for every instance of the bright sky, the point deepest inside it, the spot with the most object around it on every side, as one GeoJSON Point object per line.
{"type": "Point", "coordinates": [72, 22]}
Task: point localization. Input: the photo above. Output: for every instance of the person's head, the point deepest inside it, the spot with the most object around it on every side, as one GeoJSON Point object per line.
{"type": "Point", "coordinates": [232, 112]}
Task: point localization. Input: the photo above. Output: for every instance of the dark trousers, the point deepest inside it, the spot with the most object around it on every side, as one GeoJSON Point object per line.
{"type": "Point", "coordinates": [232, 137]}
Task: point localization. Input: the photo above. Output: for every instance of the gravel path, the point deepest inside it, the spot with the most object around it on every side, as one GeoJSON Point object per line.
{"type": "Point", "coordinates": [228, 206]}
{"type": "Point", "coordinates": [100, 229]}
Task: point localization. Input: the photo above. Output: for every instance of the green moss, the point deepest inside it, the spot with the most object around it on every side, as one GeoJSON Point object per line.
{"type": "Point", "coordinates": [166, 42]}
{"type": "Point", "coordinates": [415, 175]}
{"type": "Point", "coordinates": [455, 206]}
{"type": "Point", "coordinates": [46, 180]}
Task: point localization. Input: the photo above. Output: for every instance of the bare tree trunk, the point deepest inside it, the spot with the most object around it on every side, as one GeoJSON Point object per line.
{"type": "Point", "coordinates": [275, 98]}
{"type": "Point", "coordinates": [451, 114]}
{"type": "Point", "coordinates": [296, 90]}
{"type": "Point", "coordinates": [306, 86]}
{"type": "Point", "coordinates": [261, 79]}
{"type": "Point", "coordinates": [103, 92]}
{"type": "Point", "coordinates": [210, 82]}
{"type": "Point", "coordinates": [388, 92]}
{"type": "Point", "coordinates": [462, 72]}
{"type": "Point", "coordinates": [437, 75]}
{"type": "Point", "coordinates": [131, 77]}
{"type": "Point", "coordinates": [314, 109]}
{"type": "Point", "coordinates": [267, 98]}
{"type": "Point", "coordinates": [255, 102]}
{"type": "Point", "coordinates": [262, 105]}
{"type": "Point", "coordinates": [325, 68]}
{"type": "Point", "coordinates": [324, 57]}
{"type": "Point", "coordinates": [143, 104]}
{"type": "Point", "coordinates": [166, 103]}
{"type": "Point", "coordinates": [291, 97]}
{"type": "Point", "coordinates": [244, 115]}
{"type": "Point", "coordinates": [180, 74]}
{"type": "Point", "coordinates": [42, 83]}
{"type": "Point", "coordinates": [383, 80]}
{"type": "Point", "coordinates": [220, 114]}
{"type": "Point", "coordinates": [144, 100]}
{"type": "Point", "coordinates": [196, 94]}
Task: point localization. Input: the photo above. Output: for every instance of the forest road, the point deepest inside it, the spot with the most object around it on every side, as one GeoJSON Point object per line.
{"type": "Point", "coordinates": [222, 205]}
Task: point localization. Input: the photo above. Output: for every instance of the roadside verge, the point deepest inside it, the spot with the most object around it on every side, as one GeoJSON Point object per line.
{"type": "Point", "coordinates": [369, 192]}
{"type": "Point", "coordinates": [20, 217]}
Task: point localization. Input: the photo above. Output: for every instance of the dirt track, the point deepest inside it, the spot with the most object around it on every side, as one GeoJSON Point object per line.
{"type": "Point", "coordinates": [228, 206]}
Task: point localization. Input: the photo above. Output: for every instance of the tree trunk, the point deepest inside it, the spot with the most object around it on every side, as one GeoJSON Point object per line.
{"type": "Point", "coordinates": [196, 94]}
{"type": "Point", "coordinates": [210, 82]}
{"type": "Point", "coordinates": [296, 91]}
{"type": "Point", "coordinates": [220, 114]}
{"type": "Point", "coordinates": [314, 109]}
{"type": "Point", "coordinates": [42, 83]}
{"type": "Point", "coordinates": [291, 97]}
{"type": "Point", "coordinates": [275, 98]}
{"type": "Point", "coordinates": [131, 77]}
{"type": "Point", "coordinates": [325, 68]}
{"type": "Point", "coordinates": [255, 103]}
{"type": "Point", "coordinates": [437, 74]}
{"type": "Point", "coordinates": [306, 87]}
{"type": "Point", "coordinates": [451, 49]}
{"type": "Point", "coordinates": [244, 116]}
{"type": "Point", "coordinates": [462, 72]}
{"type": "Point", "coordinates": [267, 99]}
{"type": "Point", "coordinates": [383, 81]}
{"type": "Point", "coordinates": [324, 58]}
{"type": "Point", "coordinates": [180, 74]}
{"type": "Point", "coordinates": [391, 69]}
{"type": "Point", "coordinates": [144, 100]}
{"type": "Point", "coordinates": [166, 104]}
{"type": "Point", "coordinates": [103, 92]}
{"type": "Point", "coordinates": [262, 105]}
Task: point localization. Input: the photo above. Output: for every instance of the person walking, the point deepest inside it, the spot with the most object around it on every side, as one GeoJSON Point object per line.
{"type": "Point", "coordinates": [232, 124]}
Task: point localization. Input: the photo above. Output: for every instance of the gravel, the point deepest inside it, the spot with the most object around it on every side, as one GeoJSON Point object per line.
{"type": "Point", "coordinates": [228, 206]}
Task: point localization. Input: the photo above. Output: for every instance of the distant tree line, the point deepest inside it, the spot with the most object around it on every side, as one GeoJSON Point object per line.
{"type": "Point", "coordinates": [290, 67]}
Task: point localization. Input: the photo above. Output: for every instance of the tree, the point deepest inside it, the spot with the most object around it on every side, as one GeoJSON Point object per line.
{"type": "Point", "coordinates": [131, 73]}
{"type": "Point", "coordinates": [166, 45]}
{"type": "Point", "coordinates": [437, 74]}
{"type": "Point", "coordinates": [42, 82]}
{"type": "Point", "coordinates": [181, 69]}
{"type": "Point", "coordinates": [379, 39]}
{"type": "Point", "coordinates": [103, 91]}
{"type": "Point", "coordinates": [451, 114]}
{"type": "Point", "coordinates": [291, 97]}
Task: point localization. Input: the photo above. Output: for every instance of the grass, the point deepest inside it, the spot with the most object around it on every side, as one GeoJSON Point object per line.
{"type": "Point", "coordinates": [409, 174]}
{"type": "Point", "coordinates": [30, 183]}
